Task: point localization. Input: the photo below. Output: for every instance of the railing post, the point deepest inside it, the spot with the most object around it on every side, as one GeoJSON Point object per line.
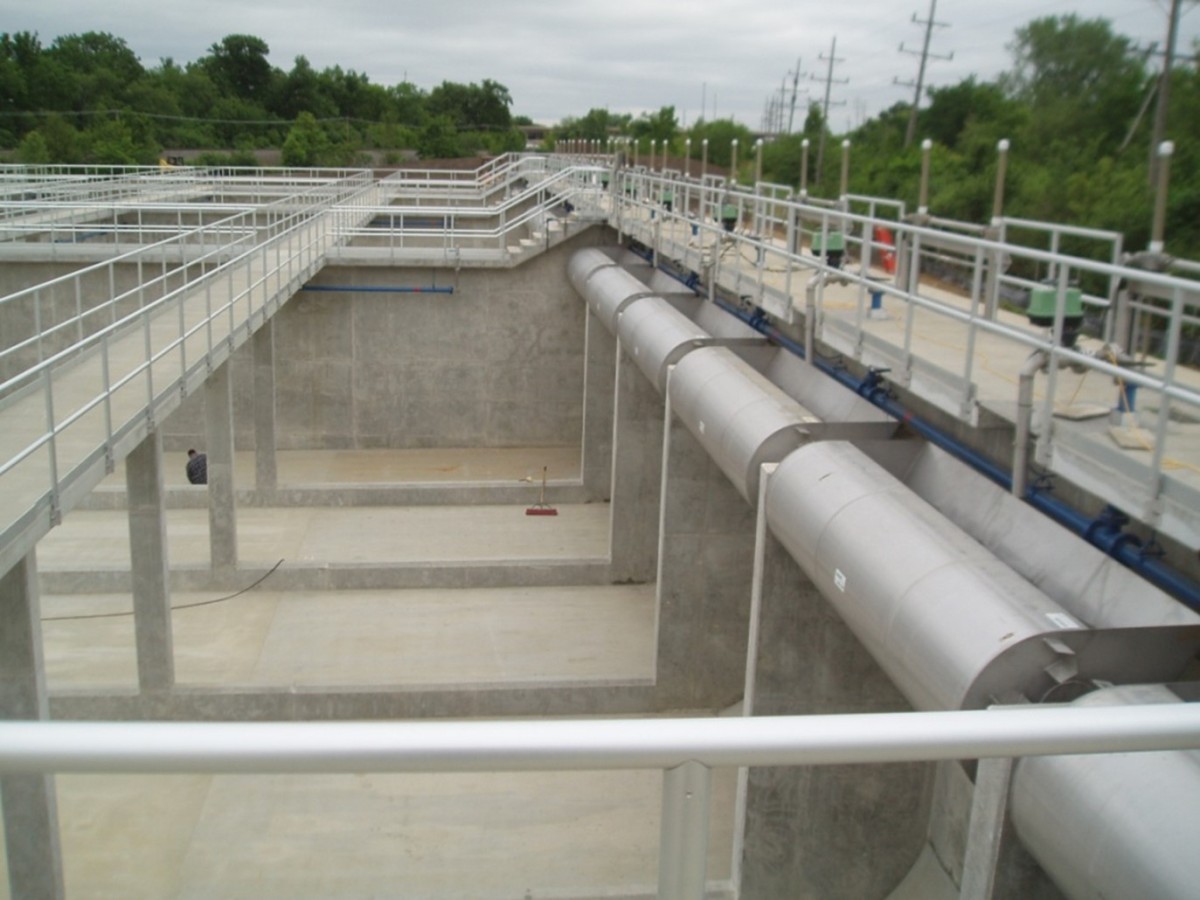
{"type": "Point", "coordinates": [683, 842]}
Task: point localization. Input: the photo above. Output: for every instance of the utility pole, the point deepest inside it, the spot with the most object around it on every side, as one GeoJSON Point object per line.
{"type": "Point", "coordinates": [832, 59]}
{"type": "Point", "coordinates": [929, 24]}
{"type": "Point", "coordinates": [795, 73]}
{"type": "Point", "coordinates": [1164, 92]}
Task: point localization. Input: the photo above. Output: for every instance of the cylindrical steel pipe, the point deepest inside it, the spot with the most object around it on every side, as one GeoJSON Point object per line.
{"type": "Point", "coordinates": [742, 419]}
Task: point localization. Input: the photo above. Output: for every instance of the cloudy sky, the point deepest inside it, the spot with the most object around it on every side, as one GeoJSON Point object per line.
{"type": "Point", "coordinates": [562, 57]}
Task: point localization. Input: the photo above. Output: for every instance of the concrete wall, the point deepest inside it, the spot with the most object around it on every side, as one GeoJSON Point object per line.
{"type": "Point", "coordinates": [500, 362]}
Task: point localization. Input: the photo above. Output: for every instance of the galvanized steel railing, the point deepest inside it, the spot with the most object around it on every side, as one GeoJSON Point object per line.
{"type": "Point", "coordinates": [955, 278]}
{"type": "Point", "coordinates": [82, 387]}
{"type": "Point", "coordinates": [686, 750]}
{"type": "Point", "coordinates": [507, 207]}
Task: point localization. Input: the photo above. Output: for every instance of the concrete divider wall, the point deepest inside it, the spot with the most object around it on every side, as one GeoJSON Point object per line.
{"type": "Point", "coordinates": [498, 362]}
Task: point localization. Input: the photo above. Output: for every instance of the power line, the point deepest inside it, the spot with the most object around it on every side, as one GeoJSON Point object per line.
{"type": "Point", "coordinates": [925, 55]}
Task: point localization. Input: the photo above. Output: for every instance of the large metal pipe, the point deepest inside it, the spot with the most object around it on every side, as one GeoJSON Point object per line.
{"type": "Point", "coordinates": [952, 625]}
{"type": "Point", "coordinates": [657, 336]}
{"type": "Point", "coordinates": [1114, 825]}
{"type": "Point", "coordinates": [583, 265]}
{"type": "Point", "coordinates": [740, 417]}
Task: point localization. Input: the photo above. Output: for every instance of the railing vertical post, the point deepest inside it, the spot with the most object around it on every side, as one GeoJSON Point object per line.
{"type": "Point", "coordinates": [972, 331]}
{"type": "Point", "coordinates": [52, 449]}
{"type": "Point", "coordinates": [683, 842]}
{"type": "Point", "coordinates": [1153, 508]}
{"type": "Point", "coordinates": [37, 324]}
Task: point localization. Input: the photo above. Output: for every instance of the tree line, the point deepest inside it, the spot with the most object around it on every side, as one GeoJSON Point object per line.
{"type": "Point", "coordinates": [1076, 106]}
{"type": "Point", "coordinates": [88, 98]}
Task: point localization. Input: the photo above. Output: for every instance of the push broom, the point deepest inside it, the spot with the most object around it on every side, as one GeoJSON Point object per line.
{"type": "Point", "coordinates": [541, 508]}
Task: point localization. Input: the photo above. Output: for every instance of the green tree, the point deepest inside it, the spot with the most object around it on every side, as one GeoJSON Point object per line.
{"type": "Point", "coordinates": [238, 65]}
{"type": "Point", "coordinates": [306, 143]}
{"type": "Point", "coordinates": [661, 126]}
{"type": "Point", "coordinates": [408, 101]}
{"type": "Point", "coordinates": [720, 134]}
{"type": "Point", "coordinates": [1082, 83]}
{"type": "Point", "coordinates": [471, 106]}
{"type": "Point", "coordinates": [301, 91]}
{"type": "Point", "coordinates": [33, 149]}
{"type": "Point", "coordinates": [439, 139]}
{"type": "Point", "coordinates": [110, 142]}
{"type": "Point", "coordinates": [62, 140]}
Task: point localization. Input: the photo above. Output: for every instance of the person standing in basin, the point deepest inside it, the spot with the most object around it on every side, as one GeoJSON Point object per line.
{"type": "Point", "coordinates": [197, 467]}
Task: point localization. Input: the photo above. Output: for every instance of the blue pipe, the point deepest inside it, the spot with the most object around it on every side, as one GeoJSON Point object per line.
{"type": "Point", "coordinates": [374, 289]}
{"type": "Point", "coordinates": [1105, 532]}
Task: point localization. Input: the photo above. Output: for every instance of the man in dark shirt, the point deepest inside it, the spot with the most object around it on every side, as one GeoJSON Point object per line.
{"type": "Point", "coordinates": [197, 468]}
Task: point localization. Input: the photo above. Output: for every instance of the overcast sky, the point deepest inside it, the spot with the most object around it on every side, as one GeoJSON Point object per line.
{"type": "Point", "coordinates": [563, 57]}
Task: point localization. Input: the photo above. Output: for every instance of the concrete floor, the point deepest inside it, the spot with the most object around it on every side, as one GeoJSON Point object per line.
{"type": "Point", "coordinates": [536, 835]}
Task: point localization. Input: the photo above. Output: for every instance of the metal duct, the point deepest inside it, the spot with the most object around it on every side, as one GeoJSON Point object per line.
{"type": "Point", "coordinates": [656, 336]}
{"type": "Point", "coordinates": [738, 415]}
{"type": "Point", "coordinates": [950, 623]}
{"type": "Point", "coordinates": [1113, 825]}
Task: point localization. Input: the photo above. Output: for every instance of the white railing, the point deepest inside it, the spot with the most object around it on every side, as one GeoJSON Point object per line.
{"type": "Point", "coordinates": [686, 750]}
{"type": "Point", "coordinates": [763, 260]}
{"type": "Point", "coordinates": [110, 368]}
{"type": "Point", "coordinates": [505, 207]}
{"type": "Point", "coordinates": [519, 206]}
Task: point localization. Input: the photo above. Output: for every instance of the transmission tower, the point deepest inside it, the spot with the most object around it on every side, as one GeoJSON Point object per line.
{"type": "Point", "coordinates": [833, 59]}
{"type": "Point", "coordinates": [925, 55]}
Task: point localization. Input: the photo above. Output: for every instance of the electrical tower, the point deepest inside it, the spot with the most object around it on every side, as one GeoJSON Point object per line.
{"type": "Point", "coordinates": [925, 55]}
{"type": "Point", "coordinates": [833, 59]}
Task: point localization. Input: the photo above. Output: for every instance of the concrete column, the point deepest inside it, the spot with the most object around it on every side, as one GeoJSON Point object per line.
{"type": "Point", "coordinates": [148, 558]}
{"type": "Point", "coordinates": [828, 831]}
{"type": "Point", "coordinates": [705, 567]}
{"type": "Point", "coordinates": [30, 807]}
{"type": "Point", "coordinates": [266, 475]}
{"type": "Point", "coordinates": [222, 513]}
{"type": "Point", "coordinates": [599, 379]}
{"type": "Point", "coordinates": [636, 473]}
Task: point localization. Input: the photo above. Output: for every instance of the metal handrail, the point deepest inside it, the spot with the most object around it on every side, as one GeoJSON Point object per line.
{"type": "Point", "coordinates": [328, 215]}
{"type": "Point", "coordinates": [686, 750]}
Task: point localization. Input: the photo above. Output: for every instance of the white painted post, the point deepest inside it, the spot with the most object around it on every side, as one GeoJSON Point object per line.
{"type": "Point", "coordinates": [683, 844]}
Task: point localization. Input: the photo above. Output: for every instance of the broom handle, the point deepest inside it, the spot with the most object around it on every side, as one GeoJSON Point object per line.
{"type": "Point", "coordinates": [542, 500]}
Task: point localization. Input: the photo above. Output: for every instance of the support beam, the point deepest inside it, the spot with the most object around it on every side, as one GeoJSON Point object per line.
{"type": "Point", "coordinates": [149, 565]}
{"type": "Point", "coordinates": [808, 831]}
{"type": "Point", "coordinates": [31, 837]}
{"type": "Point", "coordinates": [636, 473]}
{"type": "Point", "coordinates": [222, 513]}
{"type": "Point", "coordinates": [705, 566]}
{"type": "Point", "coordinates": [988, 808]}
{"type": "Point", "coordinates": [599, 401]}
{"type": "Point", "coordinates": [266, 474]}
